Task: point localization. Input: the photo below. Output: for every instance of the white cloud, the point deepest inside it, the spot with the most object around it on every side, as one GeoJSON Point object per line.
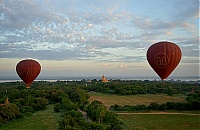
{"type": "Point", "coordinates": [66, 30]}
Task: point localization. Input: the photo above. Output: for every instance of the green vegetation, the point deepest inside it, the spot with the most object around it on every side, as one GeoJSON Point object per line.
{"type": "Point", "coordinates": [67, 101]}
{"type": "Point", "coordinates": [57, 105]}
{"type": "Point", "coordinates": [41, 120]}
{"type": "Point", "coordinates": [154, 106]}
{"type": "Point", "coordinates": [192, 103]}
{"type": "Point", "coordinates": [134, 87]}
{"type": "Point", "coordinates": [112, 99]}
{"type": "Point", "coordinates": [97, 112]}
{"type": "Point", "coordinates": [161, 121]}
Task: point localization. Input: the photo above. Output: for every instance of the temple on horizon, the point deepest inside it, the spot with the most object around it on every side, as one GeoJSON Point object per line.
{"type": "Point", "coordinates": [6, 102]}
{"type": "Point", "coordinates": [104, 79]}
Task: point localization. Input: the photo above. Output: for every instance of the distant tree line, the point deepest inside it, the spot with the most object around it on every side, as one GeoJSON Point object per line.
{"type": "Point", "coordinates": [193, 103]}
{"type": "Point", "coordinates": [133, 87]}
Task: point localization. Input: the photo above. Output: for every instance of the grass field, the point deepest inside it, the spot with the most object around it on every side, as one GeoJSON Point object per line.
{"type": "Point", "coordinates": [42, 120]}
{"type": "Point", "coordinates": [161, 121]}
{"type": "Point", "coordinates": [146, 99]}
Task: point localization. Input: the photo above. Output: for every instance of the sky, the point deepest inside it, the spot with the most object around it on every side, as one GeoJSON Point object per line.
{"type": "Point", "coordinates": [96, 37]}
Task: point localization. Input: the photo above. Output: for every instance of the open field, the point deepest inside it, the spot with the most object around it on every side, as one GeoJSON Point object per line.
{"type": "Point", "coordinates": [42, 120]}
{"type": "Point", "coordinates": [161, 121]}
{"type": "Point", "coordinates": [146, 99]}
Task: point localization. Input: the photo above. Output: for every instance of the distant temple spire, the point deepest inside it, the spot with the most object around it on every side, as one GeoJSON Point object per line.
{"type": "Point", "coordinates": [104, 79]}
{"type": "Point", "coordinates": [6, 101]}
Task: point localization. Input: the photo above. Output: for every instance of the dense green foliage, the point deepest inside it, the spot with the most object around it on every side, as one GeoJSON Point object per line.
{"type": "Point", "coordinates": [72, 99]}
{"type": "Point", "coordinates": [194, 100]}
{"type": "Point", "coordinates": [41, 120]}
{"type": "Point", "coordinates": [22, 102]}
{"type": "Point", "coordinates": [131, 87]}
{"type": "Point", "coordinates": [67, 99]}
{"type": "Point", "coordinates": [98, 113]}
{"type": "Point", "coordinates": [73, 120]}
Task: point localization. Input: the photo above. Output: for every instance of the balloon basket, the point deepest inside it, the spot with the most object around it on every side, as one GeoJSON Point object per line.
{"type": "Point", "coordinates": [28, 86]}
{"type": "Point", "coordinates": [163, 83]}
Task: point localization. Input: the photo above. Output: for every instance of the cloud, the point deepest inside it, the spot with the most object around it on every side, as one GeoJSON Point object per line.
{"type": "Point", "coordinates": [123, 66]}
{"type": "Point", "coordinates": [105, 65]}
{"type": "Point", "coordinates": [186, 10]}
{"type": "Point", "coordinates": [168, 33]}
{"type": "Point", "coordinates": [60, 30]}
{"type": "Point", "coordinates": [145, 23]}
{"type": "Point", "coordinates": [190, 47]}
{"type": "Point", "coordinates": [19, 14]}
{"type": "Point", "coordinates": [133, 59]}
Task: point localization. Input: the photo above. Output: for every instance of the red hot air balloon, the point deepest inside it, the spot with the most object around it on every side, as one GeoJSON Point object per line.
{"type": "Point", "coordinates": [28, 70]}
{"type": "Point", "coordinates": [164, 57]}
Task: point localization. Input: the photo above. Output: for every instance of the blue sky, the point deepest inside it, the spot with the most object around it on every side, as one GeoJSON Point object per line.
{"type": "Point", "coordinates": [92, 38]}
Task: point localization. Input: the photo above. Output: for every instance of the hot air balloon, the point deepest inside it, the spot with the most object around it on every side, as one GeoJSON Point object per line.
{"type": "Point", "coordinates": [164, 57]}
{"type": "Point", "coordinates": [28, 70]}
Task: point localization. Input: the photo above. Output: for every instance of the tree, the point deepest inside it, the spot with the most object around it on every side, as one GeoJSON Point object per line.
{"type": "Point", "coordinates": [170, 91]}
{"type": "Point", "coordinates": [9, 111]}
{"type": "Point", "coordinates": [57, 107]}
{"type": "Point", "coordinates": [96, 110]}
{"type": "Point", "coordinates": [55, 96]}
{"type": "Point", "coordinates": [40, 103]}
{"type": "Point", "coordinates": [100, 113]}
{"type": "Point", "coordinates": [78, 96]}
{"type": "Point", "coordinates": [1, 120]}
{"type": "Point", "coordinates": [72, 120]}
{"type": "Point", "coordinates": [194, 100]}
{"type": "Point", "coordinates": [20, 102]}
{"type": "Point", "coordinates": [68, 105]}
{"type": "Point", "coordinates": [171, 105]}
{"type": "Point", "coordinates": [163, 106]}
{"type": "Point", "coordinates": [113, 122]}
{"type": "Point", "coordinates": [26, 109]}
{"type": "Point", "coordinates": [154, 106]}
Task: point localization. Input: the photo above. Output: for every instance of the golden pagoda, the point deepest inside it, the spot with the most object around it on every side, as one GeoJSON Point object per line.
{"type": "Point", "coordinates": [104, 79]}
{"type": "Point", "coordinates": [6, 101]}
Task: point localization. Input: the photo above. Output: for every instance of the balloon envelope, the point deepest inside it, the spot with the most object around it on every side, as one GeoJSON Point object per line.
{"type": "Point", "coordinates": [28, 70]}
{"type": "Point", "coordinates": [164, 57]}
